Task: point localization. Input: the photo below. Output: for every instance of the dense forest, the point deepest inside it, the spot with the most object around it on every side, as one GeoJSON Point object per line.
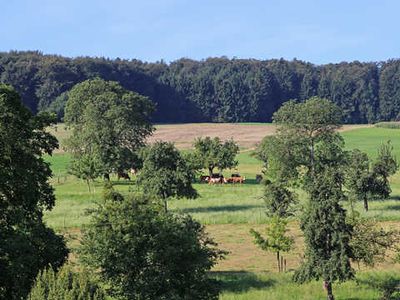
{"type": "Point", "coordinates": [214, 89]}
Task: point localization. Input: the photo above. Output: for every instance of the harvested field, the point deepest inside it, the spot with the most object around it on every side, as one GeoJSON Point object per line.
{"type": "Point", "coordinates": [246, 135]}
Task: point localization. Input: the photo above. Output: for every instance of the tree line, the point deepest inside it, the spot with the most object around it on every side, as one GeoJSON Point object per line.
{"type": "Point", "coordinates": [214, 89]}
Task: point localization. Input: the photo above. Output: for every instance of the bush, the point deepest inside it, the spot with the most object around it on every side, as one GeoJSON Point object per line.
{"type": "Point", "coordinates": [144, 253]}
{"type": "Point", "coordinates": [65, 284]}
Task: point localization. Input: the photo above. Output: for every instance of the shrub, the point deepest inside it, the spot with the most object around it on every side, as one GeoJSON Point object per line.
{"type": "Point", "coordinates": [65, 284]}
{"type": "Point", "coordinates": [143, 253]}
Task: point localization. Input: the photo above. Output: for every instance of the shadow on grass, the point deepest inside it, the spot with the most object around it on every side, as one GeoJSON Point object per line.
{"type": "Point", "coordinates": [387, 284]}
{"type": "Point", "coordinates": [122, 182]}
{"type": "Point", "coordinates": [247, 181]}
{"type": "Point", "coordinates": [227, 208]}
{"type": "Point", "coordinates": [393, 207]}
{"type": "Point", "coordinates": [397, 198]}
{"type": "Point", "coordinates": [251, 181]}
{"type": "Point", "coordinates": [241, 281]}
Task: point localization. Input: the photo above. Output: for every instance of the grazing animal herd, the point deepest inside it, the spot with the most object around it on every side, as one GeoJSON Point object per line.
{"type": "Point", "coordinates": [220, 179]}
{"type": "Point", "coordinates": [215, 178]}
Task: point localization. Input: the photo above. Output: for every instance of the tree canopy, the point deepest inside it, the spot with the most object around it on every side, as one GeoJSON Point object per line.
{"type": "Point", "coordinates": [213, 153]}
{"type": "Point", "coordinates": [26, 244]}
{"type": "Point", "coordinates": [166, 173]}
{"type": "Point", "coordinates": [108, 125]}
{"type": "Point", "coordinates": [213, 89]}
{"type": "Point", "coordinates": [144, 253]}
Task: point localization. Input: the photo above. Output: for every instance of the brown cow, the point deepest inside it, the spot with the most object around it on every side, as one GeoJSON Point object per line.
{"type": "Point", "coordinates": [123, 175]}
{"type": "Point", "coordinates": [204, 178]}
{"type": "Point", "coordinates": [237, 179]}
{"type": "Point", "coordinates": [214, 180]}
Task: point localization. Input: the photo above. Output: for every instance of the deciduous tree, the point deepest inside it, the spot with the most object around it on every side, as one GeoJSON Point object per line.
{"type": "Point", "coordinates": [327, 234]}
{"type": "Point", "coordinates": [26, 244]}
{"type": "Point", "coordinates": [107, 122]}
{"type": "Point", "coordinates": [276, 239]}
{"type": "Point", "coordinates": [165, 173]}
{"type": "Point", "coordinates": [213, 153]}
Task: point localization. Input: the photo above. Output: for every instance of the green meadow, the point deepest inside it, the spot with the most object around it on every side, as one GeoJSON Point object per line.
{"type": "Point", "coordinates": [229, 211]}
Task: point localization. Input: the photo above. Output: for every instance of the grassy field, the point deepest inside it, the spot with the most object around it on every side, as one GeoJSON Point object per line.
{"type": "Point", "coordinates": [229, 211]}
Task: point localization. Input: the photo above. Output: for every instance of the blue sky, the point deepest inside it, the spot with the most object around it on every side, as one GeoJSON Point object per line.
{"type": "Point", "coordinates": [317, 31]}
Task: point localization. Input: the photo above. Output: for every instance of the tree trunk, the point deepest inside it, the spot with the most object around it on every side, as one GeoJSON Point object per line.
{"type": "Point", "coordinates": [279, 261]}
{"type": "Point", "coordinates": [312, 156]}
{"type": "Point", "coordinates": [284, 263]}
{"type": "Point", "coordinates": [366, 203]}
{"type": "Point", "coordinates": [88, 184]}
{"type": "Point", "coordinates": [328, 288]}
{"type": "Point", "coordinates": [165, 205]}
{"type": "Point", "coordinates": [210, 171]}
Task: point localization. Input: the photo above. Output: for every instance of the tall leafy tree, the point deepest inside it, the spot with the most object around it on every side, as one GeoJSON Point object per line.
{"type": "Point", "coordinates": [327, 234]}
{"type": "Point", "coordinates": [166, 173]}
{"type": "Point", "coordinates": [26, 244]}
{"type": "Point", "coordinates": [213, 153]}
{"type": "Point", "coordinates": [311, 122]}
{"type": "Point", "coordinates": [366, 182]}
{"type": "Point", "coordinates": [308, 150]}
{"type": "Point", "coordinates": [385, 166]}
{"type": "Point", "coordinates": [108, 122]}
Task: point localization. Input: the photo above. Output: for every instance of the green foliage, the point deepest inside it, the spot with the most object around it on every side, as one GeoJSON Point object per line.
{"type": "Point", "coordinates": [26, 244]}
{"type": "Point", "coordinates": [278, 199]}
{"type": "Point", "coordinates": [388, 284]}
{"type": "Point", "coordinates": [312, 118]}
{"type": "Point", "coordinates": [386, 163]}
{"type": "Point", "coordinates": [110, 194]}
{"type": "Point", "coordinates": [144, 253]}
{"type": "Point", "coordinates": [276, 239]}
{"type": "Point", "coordinates": [365, 182]}
{"type": "Point", "coordinates": [306, 140]}
{"type": "Point", "coordinates": [213, 153]}
{"type": "Point", "coordinates": [58, 105]}
{"type": "Point", "coordinates": [214, 89]}
{"type": "Point", "coordinates": [65, 284]}
{"type": "Point", "coordinates": [87, 167]}
{"type": "Point", "coordinates": [281, 156]}
{"type": "Point", "coordinates": [166, 173]}
{"type": "Point", "coordinates": [108, 125]}
{"type": "Point", "coordinates": [370, 243]}
{"type": "Point", "coordinates": [326, 233]}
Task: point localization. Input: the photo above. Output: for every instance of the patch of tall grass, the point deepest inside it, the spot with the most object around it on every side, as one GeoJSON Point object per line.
{"type": "Point", "coordinates": [389, 125]}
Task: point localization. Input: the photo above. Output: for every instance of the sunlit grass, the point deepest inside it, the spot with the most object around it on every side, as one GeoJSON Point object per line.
{"type": "Point", "coordinates": [229, 211]}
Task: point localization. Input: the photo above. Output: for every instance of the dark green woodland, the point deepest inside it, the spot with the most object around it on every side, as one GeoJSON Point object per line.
{"type": "Point", "coordinates": [214, 89]}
